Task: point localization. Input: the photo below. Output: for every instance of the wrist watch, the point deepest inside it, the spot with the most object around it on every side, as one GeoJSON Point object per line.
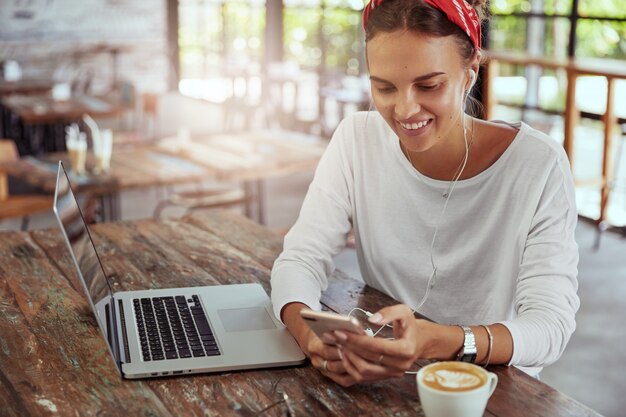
{"type": "Point", "coordinates": [468, 351]}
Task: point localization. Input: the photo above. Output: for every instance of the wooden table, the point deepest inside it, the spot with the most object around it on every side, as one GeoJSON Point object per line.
{"type": "Point", "coordinates": [25, 86]}
{"type": "Point", "coordinates": [251, 157]}
{"type": "Point", "coordinates": [37, 122]}
{"type": "Point", "coordinates": [609, 69]}
{"type": "Point", "coordinates": [54, 361]}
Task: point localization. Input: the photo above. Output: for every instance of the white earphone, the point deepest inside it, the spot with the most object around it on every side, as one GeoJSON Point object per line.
{"type": "Point", "coordinates": [447, 195]}
{"type": "Point", "coordinates": [473, 75]}
{"type": "Point", "coordinates": [472, 81]}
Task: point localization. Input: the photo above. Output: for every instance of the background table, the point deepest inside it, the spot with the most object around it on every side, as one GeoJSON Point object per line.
{"type": "Point", "coordinates": [53, 360]}
{"type": "Point", "coordinates": [251, 157]}
{"type": "Point", "coordinates": [25, 86]}
{"type": "Point", "coordinates": [37, 122]}
{"type": "Point", "coordinates": [132, 167]}
{"type": "Point", "coordinates": [247, 157]}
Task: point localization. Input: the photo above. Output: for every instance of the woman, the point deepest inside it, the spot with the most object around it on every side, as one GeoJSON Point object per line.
{"type": "Point", "coordinates": [469, 222]}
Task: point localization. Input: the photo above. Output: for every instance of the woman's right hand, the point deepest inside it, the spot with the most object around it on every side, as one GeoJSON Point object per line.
{"type": "Point", "coordinates": [325, 357]}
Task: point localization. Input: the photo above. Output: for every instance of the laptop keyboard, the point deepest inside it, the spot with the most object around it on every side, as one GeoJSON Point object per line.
{"type": "Point", "coordinates": [173, 327]}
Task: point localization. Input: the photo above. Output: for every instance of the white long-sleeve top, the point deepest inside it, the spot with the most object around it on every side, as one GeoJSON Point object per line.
{"type": "Point", "coordinates": [505, 249]}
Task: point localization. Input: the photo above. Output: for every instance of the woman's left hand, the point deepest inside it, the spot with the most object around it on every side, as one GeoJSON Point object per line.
{"type": "Point", "coordinates": [368, 358]}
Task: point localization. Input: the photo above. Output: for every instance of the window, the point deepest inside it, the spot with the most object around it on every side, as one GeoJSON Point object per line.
{"type": "Point", "coordinates": [219, 40]}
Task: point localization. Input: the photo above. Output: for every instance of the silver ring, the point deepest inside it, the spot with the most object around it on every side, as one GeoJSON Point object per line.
{"type": "Point", "coordinates": [325, 365]}
{"type": "Point", "coordinates": [380, 360]}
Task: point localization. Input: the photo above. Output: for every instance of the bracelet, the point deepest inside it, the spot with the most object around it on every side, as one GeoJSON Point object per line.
{"type": "Point", "coordinates": [490, 344]}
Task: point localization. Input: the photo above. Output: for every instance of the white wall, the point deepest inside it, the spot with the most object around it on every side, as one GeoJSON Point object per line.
{"type": "Point", "coordinates": [62, 37]}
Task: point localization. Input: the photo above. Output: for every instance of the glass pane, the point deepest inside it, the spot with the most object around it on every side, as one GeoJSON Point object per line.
{"type": "Point", "coordinates": [525, 6]}
{"type": "Point", "coordinates": [244, 27]}
{"type": "Point", "coordinates": [302, 36]}
{"type": "Point", "coordinates": [346, 4]}
{"type": "Point", "coordinates": [302, 3]}
{"type": "Point", "coordinates": [604, 8]}
{"type": "Point", "coordinates": [601, 39]}
{"type": "Point", "coordinates": [344, 40]}
{"type": "Point", "coordinates": [533, 86]}
{"type": "Point", "coordinates": [199, 38]}
{"type": "Point", "coordinates": [509, 33]}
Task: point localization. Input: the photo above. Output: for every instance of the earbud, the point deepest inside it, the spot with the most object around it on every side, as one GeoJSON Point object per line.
{"type": "Point", "coordinates": [472, 74]}
{"type": "Point", "coordinates": [473, 77]}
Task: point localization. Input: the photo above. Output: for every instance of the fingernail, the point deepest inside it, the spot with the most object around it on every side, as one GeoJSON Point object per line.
{"type": "Point", "coordinates": [375, 318]}
{"type": "Point", "coordinates": [328, 339]}
{"type": "Point", "coordinates": [340, 353]}
{"type": "Point", "coordinates": [341, 335]}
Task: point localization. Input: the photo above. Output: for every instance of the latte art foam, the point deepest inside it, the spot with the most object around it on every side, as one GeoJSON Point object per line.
{"type": "Point", "coordinates": [455, 377]}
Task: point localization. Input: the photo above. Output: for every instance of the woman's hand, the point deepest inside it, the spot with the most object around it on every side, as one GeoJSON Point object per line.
{"type": "Point", "coordinates": [325, 357]}
{"type": "Point", "coordinates": [373, 358]}
{"type": "Point", "coordinates": [328, 359]}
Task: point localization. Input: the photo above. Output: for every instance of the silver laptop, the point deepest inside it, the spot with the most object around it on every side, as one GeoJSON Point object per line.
{"type": "Point", "coordinates": [176, 330]}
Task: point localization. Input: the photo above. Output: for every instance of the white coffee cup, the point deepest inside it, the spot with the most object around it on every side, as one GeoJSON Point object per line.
{"type": "Point", "coordinates": [455, 389]}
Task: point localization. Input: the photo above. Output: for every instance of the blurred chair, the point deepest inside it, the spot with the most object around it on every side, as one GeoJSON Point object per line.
{"type": "Point", "coordinates": [208, 198]}
{"type": "Point", "coordinates": [81, 82]}
{"type": "Point", "coordinates": [614, 185]}
{"type": "Point", "coordinates": [21, 205]}
{"type": "Point", "coordinates": [282, 98]}
{"type": "Point", "coordinates": [150, 115]}
{"type": "Point", "coordinates": [145, 119]}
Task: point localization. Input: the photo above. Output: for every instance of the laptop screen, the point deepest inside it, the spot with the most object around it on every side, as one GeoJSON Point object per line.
{"type": "Point", "coordinates": [81, 246]}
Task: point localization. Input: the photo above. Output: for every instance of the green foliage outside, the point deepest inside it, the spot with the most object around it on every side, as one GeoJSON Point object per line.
{"type": "Point", "coordinates": [213, 33]}
{"type": "Point", "coordinates": [595, 38]}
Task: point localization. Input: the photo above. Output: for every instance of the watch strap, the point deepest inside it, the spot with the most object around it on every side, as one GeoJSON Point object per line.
{"type": "Point", "coordinates": [468, 352]}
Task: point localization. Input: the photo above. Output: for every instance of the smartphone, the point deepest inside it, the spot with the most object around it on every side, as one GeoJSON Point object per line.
{"type": "Point", "coordinates": [324, 322]}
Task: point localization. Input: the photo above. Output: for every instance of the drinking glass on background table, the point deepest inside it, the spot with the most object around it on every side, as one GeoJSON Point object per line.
{"type": "Point", "coordinates": [455, 389]}
{"type": "Point", "coordinates": [102, 150]}
{"type": "Point", "coordinates": [76, 143]}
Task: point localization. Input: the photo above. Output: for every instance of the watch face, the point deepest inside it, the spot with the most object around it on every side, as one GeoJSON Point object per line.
{"type": "Point", "coordinates": [471, 358]}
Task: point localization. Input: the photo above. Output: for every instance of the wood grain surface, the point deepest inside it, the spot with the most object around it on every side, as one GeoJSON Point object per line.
{"type": "Point", "coordinates": [54, 362]}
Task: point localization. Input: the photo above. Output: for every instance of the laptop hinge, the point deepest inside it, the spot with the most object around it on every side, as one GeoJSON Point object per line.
{"type": "Point", "coordinates": [124, 333]}
{"type": "Point", "coordinates": [112, 332]}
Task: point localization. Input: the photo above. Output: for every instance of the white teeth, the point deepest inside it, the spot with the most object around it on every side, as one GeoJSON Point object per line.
{"type": "Point", "coordinates": [414, 126]}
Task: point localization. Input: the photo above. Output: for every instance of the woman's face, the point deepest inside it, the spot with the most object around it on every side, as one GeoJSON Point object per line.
{"type": "Point", "coordinates": [418, 86]}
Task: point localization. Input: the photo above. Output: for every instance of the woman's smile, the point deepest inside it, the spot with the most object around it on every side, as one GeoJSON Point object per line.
{"type": "Point", "coordinates": [415, 128]}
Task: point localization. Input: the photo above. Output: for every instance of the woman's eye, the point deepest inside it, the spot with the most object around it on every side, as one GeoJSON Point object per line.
{"type": "Point", "coordinates": [385, 90]}
{"type": "Point", "coordinates": [428, 87]}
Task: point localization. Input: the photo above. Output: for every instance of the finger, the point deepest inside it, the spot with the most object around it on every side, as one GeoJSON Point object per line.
{"type": "Point", "coordinates": [369, 370]}
{"type": "Point", "coordinates": [335, 367]}
{"type": "Point", "coordinates": [402, 348]}
{"type": "Point", "coordinates": [359, 372]}
{"type": "Point", "coordinates": [329, 339]}
{"type": "Point", "coordinates": [398, 313]}
{"type": "Point", "coordinates": [332, 353]}
{"type": "Point", "coordinates": [319, 348]}
{"type": "Point", "coordinates": [331, 364]}
{"type": "Point", "coordinates": [391, 363]}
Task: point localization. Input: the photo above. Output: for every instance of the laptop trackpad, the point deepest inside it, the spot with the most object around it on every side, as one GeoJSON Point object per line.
{"type": "Point", "coordinates": [246, 319]}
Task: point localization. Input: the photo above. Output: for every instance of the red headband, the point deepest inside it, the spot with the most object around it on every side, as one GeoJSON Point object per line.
{"type": "Point", "coordinates": [458, 12]}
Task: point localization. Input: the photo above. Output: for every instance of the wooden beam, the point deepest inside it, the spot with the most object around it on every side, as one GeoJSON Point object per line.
{"type": "Point", "coordinates": [173, 52]}
{"type": "Point", "coordinates": [274, 37]}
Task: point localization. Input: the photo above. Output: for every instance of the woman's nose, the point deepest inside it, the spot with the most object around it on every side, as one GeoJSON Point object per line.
{"type": "Point", "coordinates": [407, 105]}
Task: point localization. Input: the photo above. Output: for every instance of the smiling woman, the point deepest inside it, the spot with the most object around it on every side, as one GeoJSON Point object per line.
{"type": "Point", "coordinates": [429, 192]}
